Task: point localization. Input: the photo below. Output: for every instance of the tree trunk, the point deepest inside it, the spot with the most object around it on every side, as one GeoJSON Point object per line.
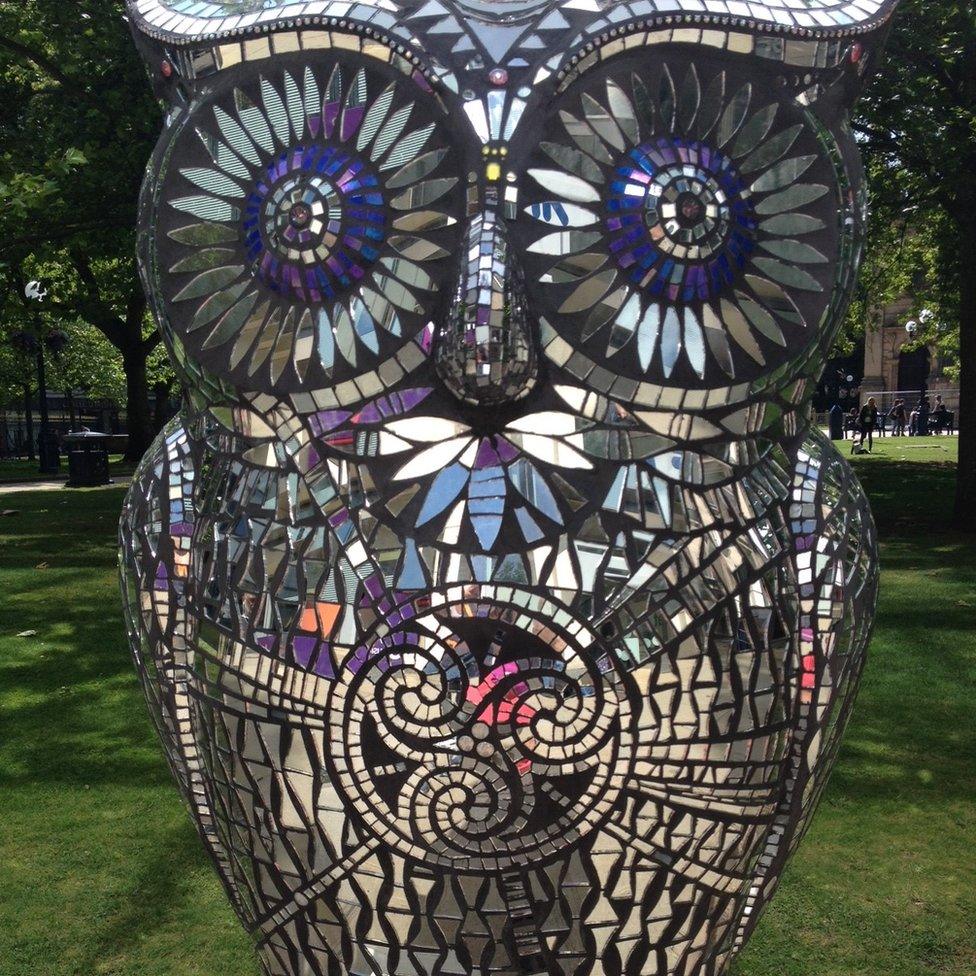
{"type": "Point", "coordinates": [161, 406]}
{"type": "Point", "coordinates": [137, 405]}
{"type": "Point", "coordinates": [964, 516]}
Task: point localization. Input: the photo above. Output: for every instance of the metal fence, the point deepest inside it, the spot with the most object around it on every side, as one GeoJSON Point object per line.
{"type": "Point", "coordinates": [14, 429]}
{"type": "Point", "coordinates": [885, 399]}
{"type": "Point", "coordinates": [66, 415]}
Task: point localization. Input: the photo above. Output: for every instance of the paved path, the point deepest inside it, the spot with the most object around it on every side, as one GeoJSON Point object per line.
{"type": "Point", "coordinates": [11, 488]}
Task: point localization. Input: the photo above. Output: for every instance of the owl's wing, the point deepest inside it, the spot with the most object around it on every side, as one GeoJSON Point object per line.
{"type": "Point", "coordinates": [155, 533]}
{"type": "Point", "coordinates": [836, 563]}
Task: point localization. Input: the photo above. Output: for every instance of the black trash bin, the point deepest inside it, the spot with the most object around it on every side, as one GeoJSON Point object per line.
{"type": "Point", "coordinates": [87, 459]}
{"type": "Point", "coordinates": [835, 422]}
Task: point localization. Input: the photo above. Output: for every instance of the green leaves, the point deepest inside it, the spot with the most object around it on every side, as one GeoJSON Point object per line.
{"type": "Point", "coordinates": [77, 123]}
{"type": "Point", "coordinates": [916, 126]}
{"type": "Point", "coordinates": [25, 192]}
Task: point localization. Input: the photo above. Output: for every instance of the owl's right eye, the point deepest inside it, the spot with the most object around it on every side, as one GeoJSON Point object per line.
{"type": "Point", "coordinates": [304, 221]}
{"type": "Point", "coordinates": [683, 221]}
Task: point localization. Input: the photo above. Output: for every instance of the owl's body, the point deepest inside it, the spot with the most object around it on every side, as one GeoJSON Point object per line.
{"type": "Point", "coordinates": [497, 608]}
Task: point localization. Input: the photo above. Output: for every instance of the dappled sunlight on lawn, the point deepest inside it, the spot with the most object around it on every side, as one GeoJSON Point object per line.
{"type": "Point", "coordinates": [104, 873]}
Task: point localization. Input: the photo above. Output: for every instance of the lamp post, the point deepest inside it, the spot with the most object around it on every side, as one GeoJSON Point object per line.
{"type": "Point", "coordinates": [29, 423]}
{"type": "Point", "coordinates": [26, 344]}
{"type": "Point", "coordinates": [47, 446]}
{"type": "Point", "coordinates": [912, 327]}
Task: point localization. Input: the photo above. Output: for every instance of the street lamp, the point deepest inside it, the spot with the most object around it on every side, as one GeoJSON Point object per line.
{"type": "Point", "coordinates": [47, 447]}
{"type": "Point", "coordinates": [912, 327]}
{"type": "Point", "coordinates": [35, 291]}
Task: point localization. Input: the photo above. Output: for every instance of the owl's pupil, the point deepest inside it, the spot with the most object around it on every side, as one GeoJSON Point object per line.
{"type": "Point", "coordinates": [301, 215]}
{"type": "Point", "coordinates": [690, 209]}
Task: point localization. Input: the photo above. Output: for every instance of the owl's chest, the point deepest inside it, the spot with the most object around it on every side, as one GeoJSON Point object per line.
{"type": "Point", "coordinates": [617, 719]}
{"type": "Point", "coordinates": [690, 640]}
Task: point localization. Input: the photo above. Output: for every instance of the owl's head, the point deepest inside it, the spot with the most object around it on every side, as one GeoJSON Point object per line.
{"type": "Point", "coordinates": [659, 202]}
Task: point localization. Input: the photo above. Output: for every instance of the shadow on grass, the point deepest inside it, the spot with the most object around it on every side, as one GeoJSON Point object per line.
{"type": "Point", "coordinates": [154, 896]}
{"type": "Point", "coordinates": [66, 530]}
{"type": "Point", "coordinates": [71, 703]}
{"type": "Point", "coordinates": [908, 494]}
{"type": "Point", "coordinates": [15, 471]}
{"type": "Point", "coordinates": [89, 733]}
{"type": "Point", "coordinates": [912, 737]}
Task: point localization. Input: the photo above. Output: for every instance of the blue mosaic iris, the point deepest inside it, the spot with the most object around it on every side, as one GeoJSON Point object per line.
{"type": "Point", "coordinates": [314, 223]}
{"type": "Point", "coordinates": [679, 219]}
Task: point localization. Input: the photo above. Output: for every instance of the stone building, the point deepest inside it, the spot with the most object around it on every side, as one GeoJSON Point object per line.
{"type": "Point", "coordinates": [890, 368]}
{"type": "Point", "coordinates": [880, 364]}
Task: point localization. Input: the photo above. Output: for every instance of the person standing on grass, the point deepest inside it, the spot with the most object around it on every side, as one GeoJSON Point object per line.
{"type": "Point", "coordinates": [898, 418]}
{"type": "Point", "coordinates": [867, 420]}
{"type": "Point", "coordinates": [922, 421]}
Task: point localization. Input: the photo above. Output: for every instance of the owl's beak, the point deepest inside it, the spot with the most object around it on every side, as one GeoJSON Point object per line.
{"type": "Point", "coordinates": [485, 350]}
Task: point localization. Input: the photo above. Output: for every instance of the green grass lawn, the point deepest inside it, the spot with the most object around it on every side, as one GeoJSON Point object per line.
{"type": "Point", "coordinates": [102, 873]}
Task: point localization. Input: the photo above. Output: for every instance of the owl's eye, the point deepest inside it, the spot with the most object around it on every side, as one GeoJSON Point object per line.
{"type": "Point", "coordinates": [304, 222]}
{"type": "Point", "coordinates": [694, 217]}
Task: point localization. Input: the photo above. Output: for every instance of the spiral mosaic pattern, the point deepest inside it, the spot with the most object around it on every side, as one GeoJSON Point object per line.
{"type": "Point", "coordinates": [476, 745]}
{"type": "Point", "coordinates": [314, 223]}
{"type": "Point", "coordinates": [690, 200]}
{"type": "Point", "coordinates": [695, 222]}
{"type": "Point", "coordinates": [321, 217]}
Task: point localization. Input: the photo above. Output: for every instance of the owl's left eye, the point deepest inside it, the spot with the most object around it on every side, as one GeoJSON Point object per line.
{"type": "Point", "coordinates": [305, 221]}
{"type": "Point", "coordinates": [684, 224]}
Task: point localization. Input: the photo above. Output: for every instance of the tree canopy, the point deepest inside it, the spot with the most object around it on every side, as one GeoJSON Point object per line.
{"type": "Point", "coordinates": [917, 126]}
{"type": "Point", "coordinates": [77, 124]}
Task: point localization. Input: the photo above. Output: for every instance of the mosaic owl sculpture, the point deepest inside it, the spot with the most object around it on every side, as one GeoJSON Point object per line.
{"type": "Point", "coordinates": [496, 603]}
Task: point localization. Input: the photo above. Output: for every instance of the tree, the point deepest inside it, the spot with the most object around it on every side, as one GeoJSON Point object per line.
{"type": "Point", "coordinates": [89, 365]}
{"type": "Point", "coordinates": [918, 130]}
{"type": "Point", "coordinates": [17, 386]}
{"type": "Point", "coordinates": [77, 124]}
{"type": "Point", "coordinates": [900, 258]}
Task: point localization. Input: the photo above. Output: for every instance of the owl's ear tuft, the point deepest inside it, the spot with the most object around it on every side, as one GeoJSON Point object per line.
{"type": "Point", "coordinates": [163, 68]}
{"type": "Point", "coordinates": [865, 54]}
